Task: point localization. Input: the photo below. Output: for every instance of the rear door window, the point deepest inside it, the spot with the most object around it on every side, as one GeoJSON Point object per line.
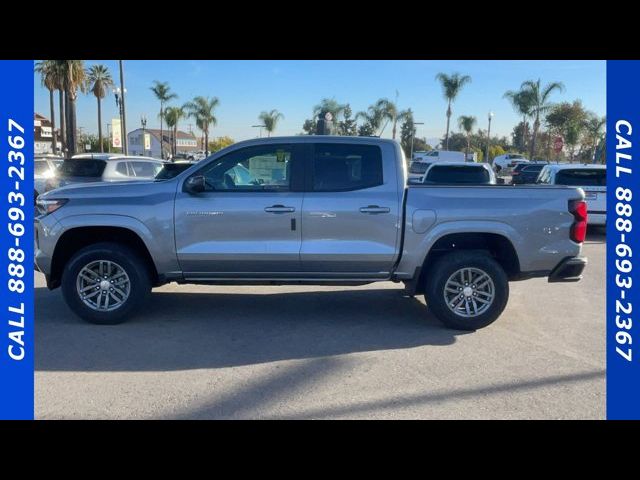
{"type": "Point", "coordinates": [86, 168]}
{"type": "Point", "coordinates": [582, 177]}
{"type": "Point", "coordinates": [121, 168]}
{"type": "Point", "coordinates": [457, 174]}
{"type": "Point", "coordinates": [343, 167]}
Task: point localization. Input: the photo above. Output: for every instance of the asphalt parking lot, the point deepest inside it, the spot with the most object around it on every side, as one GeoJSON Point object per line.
{"type": "Point", "coordinates": [199, 352]}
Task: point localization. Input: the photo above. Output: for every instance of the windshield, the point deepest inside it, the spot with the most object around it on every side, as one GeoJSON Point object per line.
{"type": "Point", "coordinates": [82, 168]}
{"type": "Point", "coordinates": [583, 177]}
{"type": "Point", "coordinates": [458, 175]}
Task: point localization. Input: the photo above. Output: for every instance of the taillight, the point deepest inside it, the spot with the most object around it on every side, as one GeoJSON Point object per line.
{"type": "Point", "coordinates": [579, 227]}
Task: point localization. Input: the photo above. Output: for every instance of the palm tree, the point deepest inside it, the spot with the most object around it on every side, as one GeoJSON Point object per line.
{"type": "Point", "coordinates": [466, 123]}
{"type": "Point", "coordinates": [595, 126]}
{"type": "Point", "coordinates": [49, 80]}
{"type": "Point", "coordinates": [163, 93]}
{"type": "Point", "coordinates": [522, 102]}
{"type": "Point", "coordinates": [270, 120]}
{"type": "Point", "coordinates": [451, 86]}
{"type": "Point", "coordinates": [74, 79]}
{"type": "Point", "coordinates": [202, 110]}
{"type": "Point", "coordinates": [99, 80]}
{"type": "Point", "coordinates": [390, 112]}
{"type": "Point", "coordinates": [540, 103]}
{"type": "Point", "coordinates": [329, 105]}
{"type": "Point", "coordinates": [172, 115]}
{"type": "Point", "coordinates": [373, 118]}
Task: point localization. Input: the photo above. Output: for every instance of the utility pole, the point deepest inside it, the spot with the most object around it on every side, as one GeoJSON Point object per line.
{"type": "Point", "coordinates": [125, 140]}
{"type": "Point", "coordinates": [489, 138]}
{"type": "Point", "coordinates": [260, 127]}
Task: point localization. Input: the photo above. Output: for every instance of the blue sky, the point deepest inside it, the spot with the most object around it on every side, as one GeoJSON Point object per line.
{"type": "Point", "coordinates": [247, 87]}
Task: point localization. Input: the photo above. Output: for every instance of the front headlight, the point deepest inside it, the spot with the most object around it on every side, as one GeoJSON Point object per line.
{"type": "Point", "coordinates": [47, 206]}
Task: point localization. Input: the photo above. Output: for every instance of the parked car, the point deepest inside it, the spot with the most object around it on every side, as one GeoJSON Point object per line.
{"type": "Point", "coordinates": [508, 160]}
{"type": "Point", "coordinates": [44, 168]}
{"type": "Point", "coordinates": [197, 156]}
{"type": "Point", "coordinates": [422, 160]}
{"type": "Point", "coordinates": [104, 168]}
{"type": "Point", "coordinates": [459, 245]}
{"type": "Point", "coordinates": [591, 178]}
{"type": "Point", "coordinates": [526, 173]}
{"type": "Point", "coordinates": [459, 173]}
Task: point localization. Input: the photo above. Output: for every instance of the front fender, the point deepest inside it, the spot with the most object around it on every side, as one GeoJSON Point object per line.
{"type": "Point", "coordinates": [159, 238]}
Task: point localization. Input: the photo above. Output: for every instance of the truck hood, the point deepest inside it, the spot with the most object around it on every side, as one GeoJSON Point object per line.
{"type": "Point", "coordinates": [104, 189]}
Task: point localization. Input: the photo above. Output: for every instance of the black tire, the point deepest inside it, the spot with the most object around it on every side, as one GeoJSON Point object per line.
{"type": "Point", "coordinates": [127, 259]}
{"type": "Point", "coordinates": [448, 264]}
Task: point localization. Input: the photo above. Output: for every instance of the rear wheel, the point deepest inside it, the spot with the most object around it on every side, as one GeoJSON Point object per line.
{"type": "Point", "coordinates": [104, 283]}
{"type": "Point", "coordinates": [467, 290]}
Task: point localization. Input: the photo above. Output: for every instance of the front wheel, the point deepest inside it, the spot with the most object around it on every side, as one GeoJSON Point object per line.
{"type": "Point", "coordinates": [467, 290]}
{"type": "Point", "coordinates": [104, 283]}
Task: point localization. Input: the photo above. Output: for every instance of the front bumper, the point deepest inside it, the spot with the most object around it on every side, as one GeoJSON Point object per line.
{"type": "Point", "coordinates": [568, 270]}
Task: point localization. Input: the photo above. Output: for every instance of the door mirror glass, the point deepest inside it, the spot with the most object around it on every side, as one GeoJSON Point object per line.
{"type": "Point", "coordinates": [195, 184]}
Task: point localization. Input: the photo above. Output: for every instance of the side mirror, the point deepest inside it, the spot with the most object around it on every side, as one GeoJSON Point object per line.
{"type": "Point", "coordinates": [195, 184]}
{"type": "Point", "coordinates": [500, 181]}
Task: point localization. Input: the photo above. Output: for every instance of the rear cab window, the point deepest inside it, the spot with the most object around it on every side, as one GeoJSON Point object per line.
{"type": "Point", "coordinates": [345, 167]}
{"type": "Point", "coordinates": [458, 174]}
{"type": "Point", "coordinates": [82, 168]}
{"type": "Point", "coordinates": [582, 177]}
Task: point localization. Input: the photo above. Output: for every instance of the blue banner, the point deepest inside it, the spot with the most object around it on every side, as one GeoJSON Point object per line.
{"type": "Point", "coordinates": [16, 240]}
{"type": "Point", "coordinates": [623, 182]}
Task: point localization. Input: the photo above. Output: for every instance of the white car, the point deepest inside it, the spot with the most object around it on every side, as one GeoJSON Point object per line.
{"type": "Point", "coordinates": [460, 173]}
{"type": "Point", "coordinates": [591, 178]}
{"type": "Point", "coordinates": [197, 156]}
{"type": "Point", "coordinates": [44, 168]}
{"type": "Point", "coordinates": [422, 160]}
{"type": "Point", "coordinates": [507, 161]}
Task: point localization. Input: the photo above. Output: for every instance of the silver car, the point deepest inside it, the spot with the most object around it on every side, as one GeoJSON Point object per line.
{"type": "Point", "coordinates": [88, 168]}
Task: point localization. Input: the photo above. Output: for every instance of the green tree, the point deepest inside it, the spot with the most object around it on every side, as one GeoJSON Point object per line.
{"type": "Point", "coordinates": [50, 80]}
{"type": "Point", "coordinates": [270, 120]}
{"type": "Point", "coordinates": [540, 104]}
{"type": "Point", "coordinates": [99, 81]}
{"type": "Point", "coordinates": [390, 113]}
{"type": "Point", "coordinates": [173, 115]}
{"type": "Point", "coordinates": [202, 109]}
{"type": "Point", "coordinates": [329, 105]}
{"type": "Point", "coordinates": [594, 127]}
{"type": "Point", "coordinates": [220, 143]}
{"type": "Point", "coordinates": [310, 126]}
{"type": "Point", "coordinates": [347, 126]}
{"type": "Point", "coordinates": [568, 120]}
{"type": "Point", "coordinates": [373, 118]}
{"type": "Point", "coordinates": [466, 123]}
{"type": "Point", "coordinates": [163, 93]}
{"type": "Point", "coordinates": [519, 135]}
{"type": "Point", "coordinates": [73, 77]}
{"type": "Point", "coordinates": [522, 102]}
{"type": "Point", "coordinates": [451, 87]}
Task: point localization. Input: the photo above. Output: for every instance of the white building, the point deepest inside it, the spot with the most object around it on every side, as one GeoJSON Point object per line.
{"type": "Point", "coordinates": [43, 135]}
{"type": "Point", "coordinates": [185, 142]}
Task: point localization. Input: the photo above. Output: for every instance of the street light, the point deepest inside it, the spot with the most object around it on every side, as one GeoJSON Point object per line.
{"type": "Point", "coordinates": [489, 137]}
{"type": "Point", "coordinates": [118, 94]}
{"type": "Point", "coordinates": [260, 127]}
{"type": "Point", "coordinates": [413, 134]}
{"type": "Point", "coordinates": [143, 121]}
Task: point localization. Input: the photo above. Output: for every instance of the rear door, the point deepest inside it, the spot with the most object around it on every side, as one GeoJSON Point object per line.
{"type": "Point", "coordinates": [351, 216]}
{"type": "Point", "coordinates": [247, 222]}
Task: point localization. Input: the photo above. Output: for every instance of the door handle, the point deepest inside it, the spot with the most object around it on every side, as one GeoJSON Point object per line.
{"type": "Point", "coordinates": [374, 209]}
{"type": "Point", "coordinates": [279, 209]}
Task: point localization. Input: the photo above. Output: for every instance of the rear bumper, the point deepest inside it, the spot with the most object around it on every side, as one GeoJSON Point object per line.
{"type": "Point", "coordinates": [568, 270]}
{"type": "Point", "coordinates": [596, 218]}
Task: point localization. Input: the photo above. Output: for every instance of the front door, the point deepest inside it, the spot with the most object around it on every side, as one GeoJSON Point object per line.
{"type": "Point", "coordinates": [247, 221]}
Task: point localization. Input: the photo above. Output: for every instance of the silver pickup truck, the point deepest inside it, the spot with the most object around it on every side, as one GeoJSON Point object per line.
{"type": "Point", "coordinates": [306, 210]}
